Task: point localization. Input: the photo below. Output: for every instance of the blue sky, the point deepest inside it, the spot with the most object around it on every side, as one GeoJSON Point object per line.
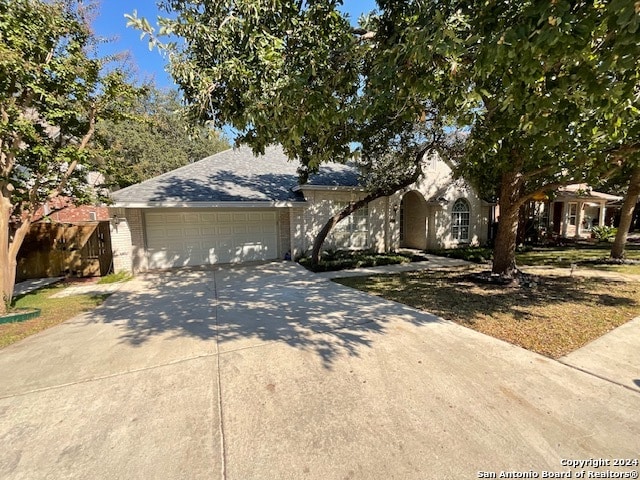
{"type": "Point", "coordinates": [150, 64]}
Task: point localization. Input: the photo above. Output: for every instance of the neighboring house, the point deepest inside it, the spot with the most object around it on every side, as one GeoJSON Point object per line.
{"type": "Point", "coordinates": [63, 210]}
{"type": "Point", "coordinates": [572, 213]}
{"type": "Point", "coordinates": [235, 207]}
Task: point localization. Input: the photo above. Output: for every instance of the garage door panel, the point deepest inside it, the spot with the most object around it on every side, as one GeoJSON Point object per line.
{"type": "Point", "coordinates": [191, 218]}
{"type": "Point", "coordinates": [209, 237]}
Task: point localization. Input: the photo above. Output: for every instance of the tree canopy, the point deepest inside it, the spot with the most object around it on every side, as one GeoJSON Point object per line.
{"type": "Point", "coordinates": [549, 91]}
{"type": "Point", "coordinates": [53, 91]}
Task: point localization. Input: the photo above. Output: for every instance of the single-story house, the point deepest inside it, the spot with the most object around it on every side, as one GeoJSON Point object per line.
{"type": "Point", "coordinates": [235, 207]}
{"type": "Point", "coordinates": [572, 212]}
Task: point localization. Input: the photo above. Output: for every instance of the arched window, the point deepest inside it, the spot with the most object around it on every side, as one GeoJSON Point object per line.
{"type": "Point", "coordinates": [460, 220]}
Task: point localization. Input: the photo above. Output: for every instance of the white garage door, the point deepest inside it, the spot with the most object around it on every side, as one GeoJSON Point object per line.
{"type": "Point", "coordinates": [208, 237]}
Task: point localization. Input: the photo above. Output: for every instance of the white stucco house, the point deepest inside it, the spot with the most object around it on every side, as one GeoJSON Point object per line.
{"type": "Point", "coordinates": [235, 207]}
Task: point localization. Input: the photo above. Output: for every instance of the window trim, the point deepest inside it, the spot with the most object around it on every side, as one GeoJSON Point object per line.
{"type": "Point", "coordinates": [461, 221]}
{"type": "Point", "coordinates": [353, 223]}
{"type": "Point", "coordinates": [572, 218]}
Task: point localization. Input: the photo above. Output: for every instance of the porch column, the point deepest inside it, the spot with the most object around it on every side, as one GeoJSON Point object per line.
{"type": "Point", "coordinates": [579, 218]}
{"type": "Point", "coordinates": [565, 218]}
{"type": "Point", "coordinates": [602, 208]}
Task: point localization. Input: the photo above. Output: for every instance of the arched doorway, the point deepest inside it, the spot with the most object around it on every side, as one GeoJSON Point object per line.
{"type": "Point", "coordinates": [413, 221]}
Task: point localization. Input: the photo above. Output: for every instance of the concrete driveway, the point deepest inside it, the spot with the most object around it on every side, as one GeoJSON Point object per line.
{"type": "Point", "coordinates": [271, 372]}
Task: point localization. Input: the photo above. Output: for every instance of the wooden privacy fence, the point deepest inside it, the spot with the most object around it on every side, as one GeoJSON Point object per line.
{"type": "Point", "coordinates": [57, 249]}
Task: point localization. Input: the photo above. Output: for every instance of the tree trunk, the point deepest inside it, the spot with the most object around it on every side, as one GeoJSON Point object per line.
{"type": "Point", "coordinates": [333, 221]}
{"type": "Point", "coordinates": [7, 266]}
{"type": "Point", "coordinates": [626, 215]}
{"type": "Point", "coordinates": [504, 250]}
{"type": "Point", "coordinates": [10, 246]}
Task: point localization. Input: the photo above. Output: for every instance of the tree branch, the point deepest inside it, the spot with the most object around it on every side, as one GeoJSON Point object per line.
{"type": "Point", "coordinates": [83, 144]}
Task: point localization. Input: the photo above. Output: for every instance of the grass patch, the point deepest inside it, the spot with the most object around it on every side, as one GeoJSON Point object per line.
{"type": "Point", "coordinates": [558, 316]}
{"type": "Point", "coordinates": [593, 256]}
{"type": "Point", "coordinates": [343, 259]}
{"type": "Point", "coordinates": [115, 278]}
{"type": "Point", "coordinates": [54, 311]}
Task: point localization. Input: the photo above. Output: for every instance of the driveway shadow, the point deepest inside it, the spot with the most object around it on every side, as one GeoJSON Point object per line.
{"type": "Point", "coordinates": [245, 306]}
{"type": "Point", "coordinates": [179, 302]}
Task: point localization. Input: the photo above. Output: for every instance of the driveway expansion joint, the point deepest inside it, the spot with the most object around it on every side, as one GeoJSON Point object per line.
{"type": "Point", "coordinates": [106, 377]}
{"type": "Point", "coordinates": [601, 377]}
{"type": "Point", "coordinates": [223, 463]}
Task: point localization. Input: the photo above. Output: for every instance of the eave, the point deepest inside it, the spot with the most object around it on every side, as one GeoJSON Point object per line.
{"type": "Point", "coordinates": [183, 204]}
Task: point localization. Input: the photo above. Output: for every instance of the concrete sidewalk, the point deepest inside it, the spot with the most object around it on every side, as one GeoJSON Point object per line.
{"type": "Point", "coordinates": [88, 289]}
{"type": "Point", "coordinates": [615, 356]}
{"type": "Point", "coordinates": [270, 371]}
{"type": "Point", "coordinates": [31, 285]}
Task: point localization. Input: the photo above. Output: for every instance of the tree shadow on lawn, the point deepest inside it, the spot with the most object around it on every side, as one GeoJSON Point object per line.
{"type": "Point", "coordinates": [241, 307]}
{"type": "Point", "coordinates": [453, 295]}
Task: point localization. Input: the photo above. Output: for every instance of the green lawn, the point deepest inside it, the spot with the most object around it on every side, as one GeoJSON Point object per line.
{"type": "Point", "coordinates": [585, 256]}
{"type": "Point", "coordinates": [54, 311]}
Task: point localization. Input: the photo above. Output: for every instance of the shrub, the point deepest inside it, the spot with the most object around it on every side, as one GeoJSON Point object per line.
{"type": "Point", "coordinates": [604, 233]}
{"type": "Point", "coordinates": [470, 254]}
{"type": "Point", "coordinates": [332, 260]}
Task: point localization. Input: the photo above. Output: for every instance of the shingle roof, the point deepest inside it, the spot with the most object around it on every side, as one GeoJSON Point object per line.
{"type": "Point", "coordinates": [582, 190]}
{"type": "Point", "coordinates": [235, 175]}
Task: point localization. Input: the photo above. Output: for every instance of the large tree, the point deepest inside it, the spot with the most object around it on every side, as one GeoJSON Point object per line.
{"type": "Point", "coordinates": [52, 93]}
{"type": "Point", "coordinates": [543, 89]}
{"type": "Point", "coordinates": [631, 170]}
{"type": "Point", "coordinates": [156, 138]}
{"type": "Point", "coordinates": [547, 90]}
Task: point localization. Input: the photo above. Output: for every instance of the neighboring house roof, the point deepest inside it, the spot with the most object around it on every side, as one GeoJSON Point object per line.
{"type": "Point", "coordinates": [584, 191]}
{"type": "Point", "coordinates": [61, 209]}
{"type": "Point", "coordinates": [235, 175]}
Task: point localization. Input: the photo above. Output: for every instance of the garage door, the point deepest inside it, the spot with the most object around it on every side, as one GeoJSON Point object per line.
{"type": "Point", "coordinates": [209, 237]}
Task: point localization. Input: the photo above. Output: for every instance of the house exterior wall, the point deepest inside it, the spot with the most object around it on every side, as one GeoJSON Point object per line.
{"type": "Point", "coordinates": [297, 231]}
{"type": "Point", "coordinates": [284, 231]}
{"type": "Point", "coordinates": [299, 224]}
{"type": "Point", "coordinates": [379, 215]}
{"type": "Point", "coordinates": [321, 205]}
{"type": "Point", "coordinates": [128, 240]}
{"type": "Point", "coordinates": [429, 227]}
{"type": "Point", "coordinates": [440, 235]}
{"type": "Point", "coordinates": [440, 193]}
{"type": "Point", "coordinates": [135, 220]}
{"type": "Point", "coordinates": [587, 212]}
{"type": "Point", "coordinates": [121, 245]}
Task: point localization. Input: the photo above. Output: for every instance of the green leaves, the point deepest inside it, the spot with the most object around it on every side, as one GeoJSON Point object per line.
{"type": "Point", "coordinates": [154, 138]}
{"type": "Point", "coordinates": [53, 93]}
